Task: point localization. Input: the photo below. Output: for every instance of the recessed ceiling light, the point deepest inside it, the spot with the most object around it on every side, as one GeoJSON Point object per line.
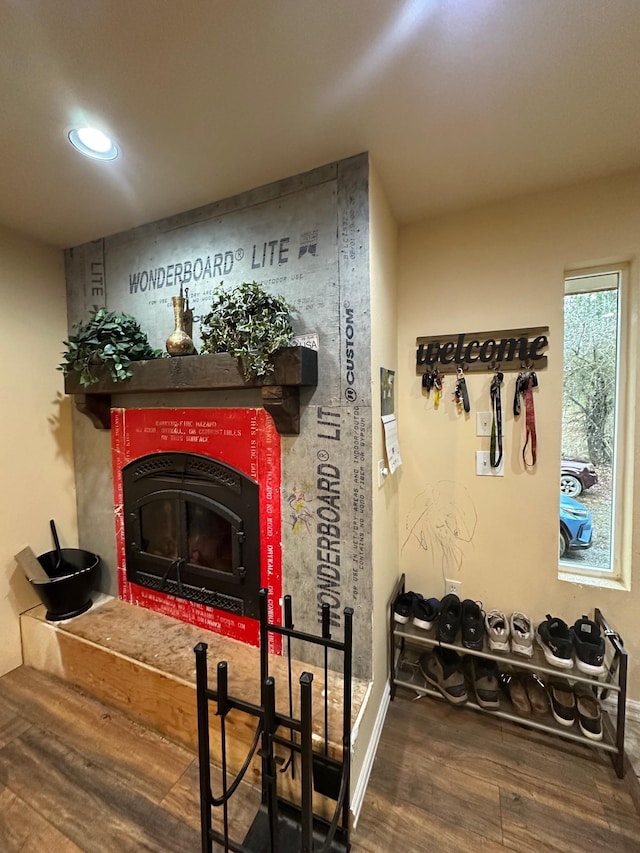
{"type": "Point", "coordinates": [94, 143]}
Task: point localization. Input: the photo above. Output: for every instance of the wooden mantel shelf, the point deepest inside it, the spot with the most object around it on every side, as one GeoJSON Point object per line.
{"type": "Point", "coordinates": [295, 367]}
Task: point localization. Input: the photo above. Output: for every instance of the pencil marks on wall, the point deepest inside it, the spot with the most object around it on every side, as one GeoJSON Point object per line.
{"type": "Point", "coordinates": [442, 522]}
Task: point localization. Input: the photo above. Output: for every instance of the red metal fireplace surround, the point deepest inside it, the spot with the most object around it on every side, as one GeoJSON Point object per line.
{"type": "Point", "coordinates": [197, 509]}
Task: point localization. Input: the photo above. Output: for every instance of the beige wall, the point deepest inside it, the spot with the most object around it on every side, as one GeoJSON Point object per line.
{"type": "Point", "coordinates": [502, 267]}
{"type": "Point", "coordinates": [384, 522]}
{"type": "Point", "coordinates": [35, 450]}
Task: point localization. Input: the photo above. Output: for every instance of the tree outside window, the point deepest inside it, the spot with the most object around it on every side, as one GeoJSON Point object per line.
{"type": "Point", "coordinates": [591, 312]}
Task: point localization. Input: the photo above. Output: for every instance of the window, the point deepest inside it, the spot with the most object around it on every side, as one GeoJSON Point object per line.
{"type": "Point", "coordinates": [593, 536]}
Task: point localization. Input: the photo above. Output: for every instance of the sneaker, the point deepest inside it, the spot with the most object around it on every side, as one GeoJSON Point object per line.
{"type": "Point", "coordinates": [449, 617]}
{"type": "Point", "coordinates": [563, 702]}
{"type": "Point", "coordinates": [425, 612]}
{"type": "Point", "coordinates": [403, 607]}
{"type": "Point", "coordinates": [555, 640]}
{"type": "Point", "coordinates": [484, 677]}
{"type": "Point", "coordinates": [497, 628]}
{"type": "Point", "coordinates": [589, 713]}
{"type": "Point", "coordinates": [472, 625]}
{"type": "Point", "coordinates": [442, 669]}
{"type": "Point", "coordinates": [521, 635]}
{"type": "Point", "coordinates": [588, 645]}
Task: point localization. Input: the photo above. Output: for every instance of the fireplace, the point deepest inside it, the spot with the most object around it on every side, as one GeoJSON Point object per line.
{"type": "Point", "coordinates": [198, 515]}
{"type": "Point", "coordinates": [191, 528]}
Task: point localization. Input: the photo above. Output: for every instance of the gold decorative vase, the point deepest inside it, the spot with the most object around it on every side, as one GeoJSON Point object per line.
{"type": "Point", "coordinates": [179, 342]}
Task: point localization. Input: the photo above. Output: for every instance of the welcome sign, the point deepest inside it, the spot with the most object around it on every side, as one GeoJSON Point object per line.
{"type": "Point", "coordinates": [512, 349]}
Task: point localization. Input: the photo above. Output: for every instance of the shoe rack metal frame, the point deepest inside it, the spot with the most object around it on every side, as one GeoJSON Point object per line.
{"type": "Point", "coordinates": [279, 826]}
{"type": "Point", "coordinates": [404, 640]}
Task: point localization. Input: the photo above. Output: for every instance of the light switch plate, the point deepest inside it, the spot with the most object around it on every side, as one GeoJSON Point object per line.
{"type": "Point", "coordinates": [483, 423]}
{"type": "Point", "coordinates": [483, 465]}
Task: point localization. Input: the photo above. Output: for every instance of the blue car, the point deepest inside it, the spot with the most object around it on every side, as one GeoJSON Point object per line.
{"type": "Point", "coordinates": [575, 525]}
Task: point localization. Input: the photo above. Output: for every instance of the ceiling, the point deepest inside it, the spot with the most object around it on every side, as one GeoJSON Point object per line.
{"type": "Point", "coordinates": [459, 102]}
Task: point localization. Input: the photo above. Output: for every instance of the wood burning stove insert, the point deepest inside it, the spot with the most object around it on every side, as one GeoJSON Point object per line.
{"type": "Point", "coordinates": [192, 530]}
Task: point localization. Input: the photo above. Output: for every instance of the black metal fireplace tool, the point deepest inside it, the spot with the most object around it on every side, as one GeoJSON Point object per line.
{"type": "Point", "coordinates": [280, 826]}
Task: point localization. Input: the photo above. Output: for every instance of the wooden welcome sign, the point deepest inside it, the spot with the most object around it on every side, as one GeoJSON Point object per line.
{"type": "Point", "coordinates": [512, 349]}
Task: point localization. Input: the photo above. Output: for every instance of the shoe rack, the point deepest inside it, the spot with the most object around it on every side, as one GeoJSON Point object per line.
{"type": "Point", "coordinates": [407, 643]}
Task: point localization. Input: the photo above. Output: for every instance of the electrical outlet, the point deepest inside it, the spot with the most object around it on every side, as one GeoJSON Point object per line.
{"type": "Point", "coordinates": [483, 465]}
{"type": "Point", "coordinates": [453, 588]}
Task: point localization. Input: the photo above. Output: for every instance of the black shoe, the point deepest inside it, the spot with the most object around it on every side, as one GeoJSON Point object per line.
{"type": "Point", "coordinates": [484, 677]}
{"type": "Point", "coordinates": [563, 702]}
{"type": "Point", "coordinates": [555, 639]}
{"type": "Point", "coordinates": [472, 625]}
{"type": "Point", "coordinates": [403, 607]}
{"type": "Point", "coordinates": [449, 618]}
{"type": "Point", "coordinates": [425, 612]}
{"type": "Point", "coordinates": [588, 713]}
{"type": "Point", "coordinates": [588, 644]}
{"type": "Point", "coordinates": [442, 669]}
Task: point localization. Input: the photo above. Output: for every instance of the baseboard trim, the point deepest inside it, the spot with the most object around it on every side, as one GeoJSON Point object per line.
{"type": "Point", "coordinates": [632, 708]}
{"type": "Point", "coordinates": [372, 747]}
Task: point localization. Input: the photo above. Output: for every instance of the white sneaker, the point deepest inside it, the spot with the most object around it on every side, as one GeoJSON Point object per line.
{"type": "Point", "coordinates": [497, 629]}
{"type": "Point", "coordinates": [521, 635]}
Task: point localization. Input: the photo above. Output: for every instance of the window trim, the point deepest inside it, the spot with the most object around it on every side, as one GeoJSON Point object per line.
{"type": "Point", "coordinates": [619, 577]}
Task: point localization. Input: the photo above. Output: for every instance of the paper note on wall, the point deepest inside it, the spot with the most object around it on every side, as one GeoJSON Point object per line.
{"type": "Point", "coordinates": [392, 443]}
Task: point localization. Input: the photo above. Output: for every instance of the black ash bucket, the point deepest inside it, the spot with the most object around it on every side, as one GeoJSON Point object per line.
{"type": "Point", "coordinates": [73, 575]}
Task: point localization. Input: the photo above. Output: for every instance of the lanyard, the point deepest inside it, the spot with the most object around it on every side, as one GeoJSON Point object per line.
{"type": "Point", "coordinates": [530, 422]}
{"type": "Point", "coordinates": [496, 421]}
{"type": "Point", "coordinates": [525, 383]}
{"type": "Point", "coordinates": [516, 397]}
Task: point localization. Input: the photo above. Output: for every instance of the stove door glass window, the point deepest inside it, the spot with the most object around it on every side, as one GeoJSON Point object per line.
{"type": "Point", "coordinates": [160, 528]}
{"type": "Point", "coordinates": [209, 538]}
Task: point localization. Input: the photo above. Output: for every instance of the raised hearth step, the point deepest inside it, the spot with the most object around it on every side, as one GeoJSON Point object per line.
{"type": "Point", "coordinates": [142, 663]}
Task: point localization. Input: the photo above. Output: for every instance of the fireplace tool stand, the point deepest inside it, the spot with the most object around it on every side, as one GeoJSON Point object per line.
{"type": "Point", "coordinates": [280, 826]}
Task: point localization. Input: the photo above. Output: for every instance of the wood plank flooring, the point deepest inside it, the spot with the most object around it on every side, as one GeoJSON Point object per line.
{"type": "Point", "coordinates": [76, 775]}
{"type": "Point", "coordinates": [446, 779]}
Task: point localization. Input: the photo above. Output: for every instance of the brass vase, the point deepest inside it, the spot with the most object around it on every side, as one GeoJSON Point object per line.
{"type": "Point", "coordinates": [179, 342]}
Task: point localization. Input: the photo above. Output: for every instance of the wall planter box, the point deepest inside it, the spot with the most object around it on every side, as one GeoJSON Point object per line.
{"type": "Point", "coordinates": [295, 368]}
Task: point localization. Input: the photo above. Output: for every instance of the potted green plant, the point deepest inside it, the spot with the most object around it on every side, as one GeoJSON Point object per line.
{"type": "Point", "coordinates": [109, 342]}
{"type": "Point", "coordinates": [248, 323]}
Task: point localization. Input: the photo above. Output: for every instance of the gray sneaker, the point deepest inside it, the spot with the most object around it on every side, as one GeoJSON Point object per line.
{"type": "Point", "coordinates": [497, 627]}
{"type": "Point", "coordinates": [521, 635]}
{"type": "Point", "coordinates": [442, 669]}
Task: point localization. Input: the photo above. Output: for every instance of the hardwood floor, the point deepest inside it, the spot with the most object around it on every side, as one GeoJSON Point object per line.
{"type": "Point", "coordinates": [78, 776]}
{"type": "Point", "coordinates": [446, 779]}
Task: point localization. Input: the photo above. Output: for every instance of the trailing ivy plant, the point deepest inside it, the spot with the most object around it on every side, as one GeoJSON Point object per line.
{"type": "Point", "coordinates": [249, 323]}
{"type": "Point", "coordinates": [107, 341]}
